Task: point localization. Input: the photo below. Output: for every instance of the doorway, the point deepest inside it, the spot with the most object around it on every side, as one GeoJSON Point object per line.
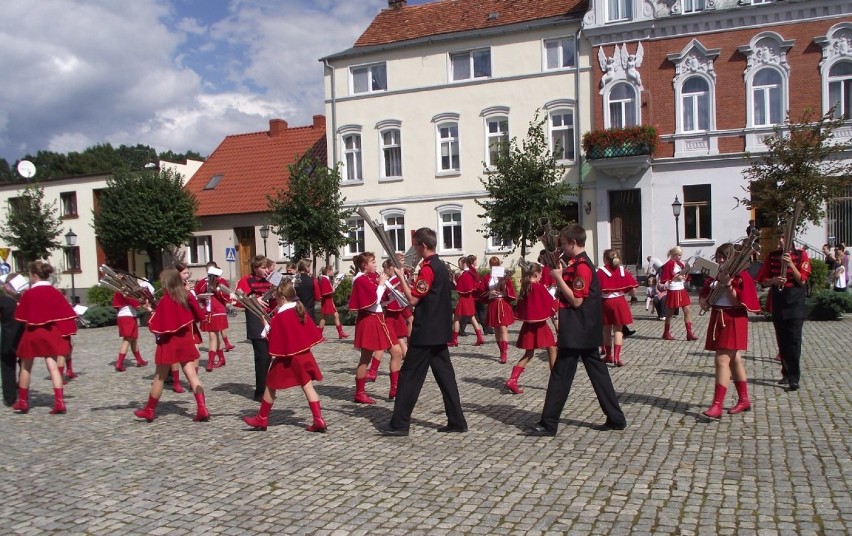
{"type": "Point", "coordinates": [246, 249]}
{"type": "Point", "coordinates": [625, 209]}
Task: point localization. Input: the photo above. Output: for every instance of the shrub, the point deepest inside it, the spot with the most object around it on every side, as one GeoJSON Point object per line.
{"type": "Point", "coordinates": [342, 292]}
{"type": "Point", "coordinates": [100, 316]}
{"type": "Point", "coordinates": [818, 280]}
{"type": "Point", "coordinates": [99, 296]}
{"type": "Point", "coordinates": [830, 305]}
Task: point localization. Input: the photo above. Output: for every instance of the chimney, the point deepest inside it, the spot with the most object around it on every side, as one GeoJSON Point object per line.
{"type": "Point", "coordinates": [396, 4]}
{"type": "Point", "coordinates": [277, 127]}
{"type": "Point", "coordinates": [319, 121]}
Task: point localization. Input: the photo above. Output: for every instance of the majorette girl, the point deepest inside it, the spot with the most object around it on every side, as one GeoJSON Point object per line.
{"type": "Point", "coordinates": [615, 283]}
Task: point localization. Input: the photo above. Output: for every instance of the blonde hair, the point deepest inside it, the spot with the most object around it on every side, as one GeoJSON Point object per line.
{"type": "Point", "coordinates": [174, 286]}
{"type": "Point", "coordinates": [677, 250]}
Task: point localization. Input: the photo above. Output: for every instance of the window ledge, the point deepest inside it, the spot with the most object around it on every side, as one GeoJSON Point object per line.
{"type": "Point", "coordinates": [390, 179]}
{"type": "Point", "coordinates": [74, 271]}
{"type": "Point", "coordinates": [69, 217]}
{"type": "Point", "coordinates": [695, 242]}
{"type": "Point", "coordinates": [451, 252]}
{"type": "Point", "coordinates": [443, 174]}
{"type": "Point", "coordinates": [351, 183]}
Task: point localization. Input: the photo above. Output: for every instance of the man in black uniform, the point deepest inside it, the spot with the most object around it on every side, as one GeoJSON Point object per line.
{"type": "Point", "coordinates": [580, 337]}
{"type": "Point", "coordinates": [257, 285]}
{"type": "Point", "coordinates": [427, 346]}
{"type": "Point", "coordinates": [307, 288]}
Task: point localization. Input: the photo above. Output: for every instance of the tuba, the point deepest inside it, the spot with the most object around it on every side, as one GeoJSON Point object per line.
{"type": "Point", "coordinates": [552, 254]}
{"type": "Point", "coordinates": [788, 234]}
{"type": "Point", "coordinates": [738, 262]}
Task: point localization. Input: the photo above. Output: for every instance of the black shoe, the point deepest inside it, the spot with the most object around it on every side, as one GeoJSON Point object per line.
{"type": "Point", "coordinates": [627, 332]}
{"type": "Point", "coordinates": [452, 429]}
{"type": "Point", "coordinates": [394, 432]}
{"type": "Point", "coordinates": [538, 430]}
{"type": "Point", "coordinates": [463, 334]}
{"type": "Point", "coordinates": [609, 425]}
{"type": "Point", "coordinates": [783, 381]}
{"type": "Point", "coordinates": [257, 397]}
{"type": "Point", "coordinates": [794, 386]}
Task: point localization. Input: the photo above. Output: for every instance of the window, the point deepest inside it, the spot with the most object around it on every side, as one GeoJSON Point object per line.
{"type": "Point", "coordinates": [451, 229]}
{"type": "Point", "coordinates": [391, 153]}
{"type": "Point", "coordinates": [369, 78]}
{"type": "Point", "coordinates": [696, 211]}
{"type": "Point", "coordinates": [68, 200]}
{"type": "Point", "coordinates": [72, 259]}
{"type": "Point", "coordinates": [471, 65]}
{"type": "Point", "coordinates": [448, 147]}
{"type": "Point", "coordinates": [619, 10]}
{"type": "Point", "coordinates": [395, 227]}
{"type": "Point", "coordinates": [20, 263]}
{"type": "Point", "coordinates": [622, 106]}
{"type": "Point", "coordinates": [198, 250]}
{"type": "Point", "coordinates": [692, 6]}
{"type": "Point", "coordinates": [766, 102]}
{"type": "Point", "coordinates": [352, 158]}
{"type": "Point", "coordinates": [562, 134]}
{"type": "Point", "coordinates": [497, 138]}
{"type": "Point", "coordinates": [356, 236]}
{"type": "Point", "coordinates": [498, 243]}
{"type": "Point", "coordinates": [560, 53]}
{"type": "Point", "coordinates": [213, 182]}
{"type": "Point", "coordinates": [840, 89]}
{"type": "Point", "coordinates": [695, 104]}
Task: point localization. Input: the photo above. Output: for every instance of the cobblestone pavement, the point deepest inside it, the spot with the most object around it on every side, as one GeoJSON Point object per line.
{"type": "Point", "coordinates": [783, 468]}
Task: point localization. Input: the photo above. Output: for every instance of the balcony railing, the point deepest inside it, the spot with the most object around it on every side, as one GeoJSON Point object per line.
{"type": "Point", "coordinates": [617, 151]}
{"type": "Point", "coordinates": [620, 142]}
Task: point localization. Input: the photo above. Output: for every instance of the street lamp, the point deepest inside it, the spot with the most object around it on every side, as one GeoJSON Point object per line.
{"type": "Point", "coordinates": [676, 207]}
{"type": "Point", "coordinates": [71, 241]}
{"type": "Point", "coordinates": [264, 234]}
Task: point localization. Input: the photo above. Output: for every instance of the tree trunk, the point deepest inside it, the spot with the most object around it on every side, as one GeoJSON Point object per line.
{"type": "Point", "coordinates": [156, 258]}
{"type": "Point", "coordinates": [524, 245]}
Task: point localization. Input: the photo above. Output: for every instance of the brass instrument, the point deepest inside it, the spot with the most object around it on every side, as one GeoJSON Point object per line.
{"type": "Point", "coordinates": [788, 234]}
{"type": "Point", "coordinates": [732, 266]}
{"type": "Point", "coordinates": [552, 255]}
{"type": "Point", "coordinates": [250, 303]}
{"type": "Point", "coordinates": [384, 239]}
{"type": "Point", "coordinates": [127, 284]}
{"type": "Point", "coordinates": [412, 260]}
{"type": "Point", "coordinates": [14, 286]}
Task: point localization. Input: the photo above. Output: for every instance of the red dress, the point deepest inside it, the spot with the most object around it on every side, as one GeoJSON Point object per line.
{"type": "Point", "coordinates": [499, 309]}
{"type": "Point", "coordinates": [394, 311]}
{"type": "Point", "coordinates": [128, 325]}
{"type": "Point", "coordinates": [216, 317]}
{"type": "Point", "coordinates": [728, 327]}
{"type": "Point", "coordinates": [49, 321]}
{"type": "Point", "coordinates": [371, 330]}
{"type": "Point", "coordinates": [534, 310]}
{"type": "Point", "coordinates": [173, 326]}
{"type": "Point", "coordinates": [465, 286]}
{"type": "Point", "coordinates": [326, 291]}
{"type": "Point", "coordinates": [676, 296]}
{"type": "Point", "coordinates": [615, 282]}
{"type": "Point", "coordinates": [290, 342]}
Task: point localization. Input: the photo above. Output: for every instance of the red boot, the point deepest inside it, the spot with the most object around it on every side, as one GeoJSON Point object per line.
{"type": "Point", "coordinates": [319, 423]}
{"type": "Point", "coordinates": [361, 396]}
{"type": "Point", "coordinates": [743, 403]}
{"type": "Point", "coordinates": [201, 414]}
{"type": "Point", "coordinates": [608, 354]}
{"type": "Point", "coordinates": [373, 371]}
{"type": "Point", "coordinates": [22, 404]}
{"type": "Point", "coordinates": [176, 386]}
{"type": "Point", "coordinates": [394, 383]}
{"type": "Point", "coordinates": [455, 340]}
{"type": "Point", "coordinates": [667, 333]}
{"type": "Point", "coordinates": [340, 332]}
{"type": "Point", "coordinates": [261, 420]}
{"type": "Point", "coordinates": [69, 371]}
{"type": "Point", "coordinates": [138, 357]}
{"type": "Point", "coordinates": [228, 345]}
{"type": "Point", "coordinates": [504, 350]}
{"type": "Point", "coordinates": [211, 361]}
{"type": "Point", "coordinates": [616, 355]}
{"type": "Point", "coordinates": [58, 403]}
{"type": "Point", "coordinates": [480, 338]}
{"type": "Point", "coordinates": [147, 412]}
{"type": "Point", "coordinates": [715, 411]}
{"type": "Point", "coordinates": [221, 361]}
{"type": "Point", "coordinates": [62, 375]}
{"type": "Point", "coordinates": [119, 363]}
{"type": "Point", "coordinates": [690, 336]}
{"type": "Point", "coordinates": [512, 382]}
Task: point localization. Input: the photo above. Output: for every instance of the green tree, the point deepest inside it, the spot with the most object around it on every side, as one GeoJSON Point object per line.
{"type": "Point", "coordinates": [309, 213]}
{"type": "Point", "coordinates": [6, 172]}
{"type": "Point", "coordinates": [32, 227]}
{"type": "Point", "coordinates": [803, 163]}
{"type": "Point", "coordinates": [171, 156]}
{"type": "Point", "coordinates": [146, 211]}
{"type": "Point", "coordinates": [524, 184]}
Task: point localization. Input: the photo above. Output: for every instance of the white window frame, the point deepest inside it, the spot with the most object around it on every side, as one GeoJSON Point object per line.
{"type": "Point", "coordinates": [624, 107]}
{"type": "Point", "coordinates": [356, 154]}
{"type": "Point", "coordinates": [695, 209]}
{"type": "Point", "coordinates": [395, 229]}
{"type": "Point", "coordinates": [370, 70]}
{"type": "Point", "coordinates": [552, 130]}
{"type": "Point", "coordinates": [356, 230]}
{"type": "Point", "coordinates": [693, 6]}
{"type": "Point", "coordinates": [558, 44]}
{"type": "Point", "coordinates": [625, 11]}
{"type": "Point", "coordinates": [471, 65]}
{"type": "Point", "coordinates": [68, 202]}
{"type": "Point", "coordinates": [500, 136]}
{"type": "Point", "coordinates": [395, 145]}
{"type": "Point", "coordinates": [198, 250]}
{"type": "Point", "coordinates": [450, 210]}
{"type": "Point", "coordinates": [285, 250]}
{"type": "Point", "coordinates": [845, 85]}
{"type": "Point", "coordinates": [695, 98]}
{"type": "Point", "coordinates": [451, 142]}
{"type": "Point", "coordinates": [496, 244]}
{"type": "Point", "coordinates": [766, 90]}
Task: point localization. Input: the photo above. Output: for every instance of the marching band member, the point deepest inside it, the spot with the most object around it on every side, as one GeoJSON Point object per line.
{"type": "Point", "coordinates": [256, 284]}
{"type": "Point", "coordinates": [371, 331]}
{"type": "Point", "coordinates": [394, 309]}
{"type": "Point", "coordinates": [615, 283]}
{"type": "Point", "coordinates": [11, 334]}
{"type": "Point", "coordinates": [535, 306]}
{"type": "Point", "coordinates": [327, 307]}
{"type": "Point", "coordinates": [727, 333]}
{"type": "Point", "coordinates": [307, 288]}
{"type": "Point", "coordinates": [466, 306]}
{"type": "Point", "coordinates": [128, 329]}
{"type": "Point", "coordinates": [173, 325]}
{"type": "Point", "coordinates": [49, 322]}
{"type": "Point", "coordinates": [291, 334]}
{"type": "Point", "coordinates": [499, 291]}
{"type": "Point", "coordinates": [674, 276]}
{"type": "Point", "coordinates": [216, 318]}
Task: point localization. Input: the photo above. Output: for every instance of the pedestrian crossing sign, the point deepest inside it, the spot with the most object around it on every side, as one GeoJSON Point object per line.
{"type": "Point", "coordinates": [231, 254]}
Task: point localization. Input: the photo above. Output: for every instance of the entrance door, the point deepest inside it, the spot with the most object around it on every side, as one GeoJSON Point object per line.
{"type": "Point", "coordinates": [625, 209]}
{"type": "Point", "coordinates": [245, 248]}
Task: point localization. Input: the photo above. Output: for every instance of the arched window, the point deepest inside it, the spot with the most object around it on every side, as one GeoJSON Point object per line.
{"type": "Point", "coordinates": [695, 104]}
{"type": "Point", "coordinates": [622, 106]}
{"type": "Point", "coordinates": [391, 143]}
{"type": "Point", "coordinates": [767, 97]}
{"type": "Point", "coordinates": [840, 89]}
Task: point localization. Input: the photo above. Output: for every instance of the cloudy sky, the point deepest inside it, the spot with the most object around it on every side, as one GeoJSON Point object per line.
{"type": "Point", "coordinates": [173, 74]}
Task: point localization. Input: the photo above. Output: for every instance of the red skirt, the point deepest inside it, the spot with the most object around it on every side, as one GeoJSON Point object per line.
{"type": "Point", "coordinates": [728, 329]}
{"type": "Point", "coordinates": [178, 347]}
{"type": "Point", "coordinates": [292, 371]}
{"type": "Point", "coordinates": [499, 313]}
{"type": "Point", "coordinates": [396, 323]}
{"type": "Point", "coordinates": [407, 313]}
{"type": "Point", "coordinates": [677, 298]}
{"type": "Point", "coordinates": [43, 341]}
{"type": "Point", "coordinates": [214, 322]}
{"type": "Point", "coordinates": [328, 307]}
{"type": "Point", "coordinates": [535, 335]}
{"type": "Point", "coordinates": [616, 312]}
{"type": "Point", "coordinates": [128, 327]}
{"type": "Point", "coordinates": [466, 305]}
{"type": "Point", "coordinates": [372, 332]}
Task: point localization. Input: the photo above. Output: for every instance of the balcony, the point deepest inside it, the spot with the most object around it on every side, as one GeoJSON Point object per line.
{"type": "Point", "coordinates": [621, 152]}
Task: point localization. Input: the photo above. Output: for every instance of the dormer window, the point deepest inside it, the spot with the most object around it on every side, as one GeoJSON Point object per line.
{"type": "Point", "coordinates": [213, 182]}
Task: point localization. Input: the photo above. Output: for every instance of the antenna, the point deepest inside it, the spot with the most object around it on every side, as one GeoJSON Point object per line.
{"type": "Point", "coordinates": [26, 169]}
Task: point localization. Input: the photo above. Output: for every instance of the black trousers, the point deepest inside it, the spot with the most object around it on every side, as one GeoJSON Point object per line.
{"type": "Point", "coordinates": [9, 377]}
{"type": "Point", "coordinates": [788, 333]}
{"type": "Point", "coordinates": [561, 378]}
{"type": "Point", "coordinates": [418, 360]}
{"type": "Point", "coordinates": [261, 365]}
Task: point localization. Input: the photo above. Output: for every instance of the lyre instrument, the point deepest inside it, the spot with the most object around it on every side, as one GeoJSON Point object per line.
{"type": "Point", "coordinates": [127, 284]}
{"type": "Point", "coordinates": [250, 303]}
{"type": "Point", "coordinates": [383, 236]}
{"type": "Point", "coordinates": [732, 266]}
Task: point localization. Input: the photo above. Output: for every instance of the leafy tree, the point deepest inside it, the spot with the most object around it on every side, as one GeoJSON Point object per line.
{"type": "Point", "coordinates": [171, 156]}
{"type": "Point", "coordinates": [804, 163]}
{"type": "Point", "coordinates": [524, 184]}
{"type": "Point", "coordinates": [309, 213]}
{"type": "Point", "coordinates": [31, 226]}
{"type": "Point", "coordinates": [6, 172]}
{"type": "Point", "coordinates": [145, 211]}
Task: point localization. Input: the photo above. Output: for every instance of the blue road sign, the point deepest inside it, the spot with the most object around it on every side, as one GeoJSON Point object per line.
{"type": "Point", "coordinates": [231, 254]}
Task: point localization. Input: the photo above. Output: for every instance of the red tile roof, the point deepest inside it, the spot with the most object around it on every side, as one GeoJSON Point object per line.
{"type": "Point", "coordinates": [254, 165]}
{"type": "Point", "coordinates": [392, 25]}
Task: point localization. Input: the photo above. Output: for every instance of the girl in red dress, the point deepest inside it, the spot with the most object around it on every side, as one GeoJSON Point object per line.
{"type": "Point", "coordinates": [327, 308]}
{"type": "Point", "coordinates": [615, 282]}
{"type": "Point", "coordinates": [128, 329]}
{"type": "Point", "coordinates": [727, 333]}
{"type": "Point", "coordinates": [173, 325]}
{"type": "Point", "coordinates": [49, 321]}
{"type": "Point", "coordinates": [216, 318]}
{"type": "Point", "coordinates": [371, 331]}
{"type": "Point", "coordinates": [674, 276]}
{"type": "Point", "coordinates": [466, 285]}
{"type": "Point", "coordinates": [535, 306]}
{"type": "Point", "coordinates": [499, 291]}
{"type": "Point", "coordinates": [291, 334]}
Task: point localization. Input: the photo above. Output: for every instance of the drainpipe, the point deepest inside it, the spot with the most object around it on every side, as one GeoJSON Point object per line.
{"type": "Point", "coordinates": [577, 145]}
{"type": "Point", "coordinates": [333, 135]}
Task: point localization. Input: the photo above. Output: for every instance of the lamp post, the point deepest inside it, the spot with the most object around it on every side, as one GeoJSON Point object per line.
{"type": "Point", "coordinates": [676, 208]}
{"type": "Point", "coordinates": [264, 234]}
{"type": "Point", "coordinates": [70, 242]}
